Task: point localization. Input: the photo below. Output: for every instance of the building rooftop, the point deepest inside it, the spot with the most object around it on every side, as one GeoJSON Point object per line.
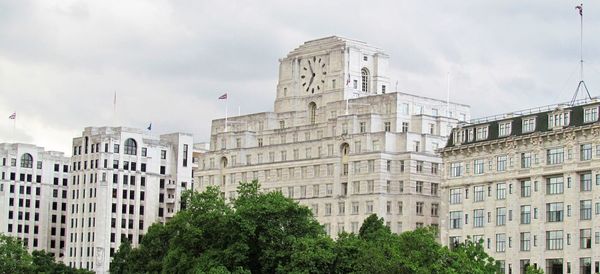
{"type": "Point", "coordinates": [526, 122]}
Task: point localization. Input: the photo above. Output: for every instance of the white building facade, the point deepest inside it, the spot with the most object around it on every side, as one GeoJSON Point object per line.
{"type": "Point", "coordinates": [528, 185]}
{"type": "Point", "coordinates": [33, 196]}
{"type": "Point", "coordinates": [338, 141]}
{"type": "Point", "coordinates": [123, 180]}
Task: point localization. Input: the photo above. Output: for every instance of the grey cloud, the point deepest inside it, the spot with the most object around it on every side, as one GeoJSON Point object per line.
{"type": "Point", "coordinates": [61, 61]}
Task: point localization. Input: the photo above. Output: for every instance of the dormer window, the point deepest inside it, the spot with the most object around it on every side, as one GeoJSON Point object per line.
{"type": "Point", "coordinates": [459, 136]}
{"type": "Point", "coordinates": [590, 114]}
{"type": "Point", "coordinates": [471, 133]}
{"type": "Point", "coordinates": [558, 119]}
{"type": "Point", "coordinates": [504, 128]}
{"type": "Point", "coordinates": [481, 133]}
{"type": "Point", "coordinates": [528, 124]}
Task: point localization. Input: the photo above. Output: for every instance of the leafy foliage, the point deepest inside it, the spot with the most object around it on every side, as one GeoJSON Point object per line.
{"type": "Point", "coordinates": [532, 269]}
{"type": "Point", "coordinates": [14, 258]}
{"type": "Point", "coordinates": [269, 233]}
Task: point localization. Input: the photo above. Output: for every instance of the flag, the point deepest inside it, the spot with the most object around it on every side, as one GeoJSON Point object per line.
{"type": "Point", "coordinates": [223, 97]}
{"type": "Point", "coordinates": [149, 126]}
{"type": "Point", "coordinates": [580, 9]}
{"type": "Point", "coordinates": [13, 116]}
{"type": "Point", "coordinates": [348, 80]}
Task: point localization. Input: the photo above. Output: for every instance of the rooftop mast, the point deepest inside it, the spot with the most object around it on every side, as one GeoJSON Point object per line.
{"type": "Point", "coordinates": [581, 84]}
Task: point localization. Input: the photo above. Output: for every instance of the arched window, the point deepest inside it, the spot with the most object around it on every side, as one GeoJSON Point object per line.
{"type": "Point", "coordinates": [312, 113]}
{"type": "Point", "coordinates": [223, 162]}
{"type": "Point", "coordinates": [345, 149]}
{"type": "Point", "coordinates": [130, 147]}
{"type": "Point", "coordinates": [26, 160]}
{"type": "Point", "coordinates": [364, 73]}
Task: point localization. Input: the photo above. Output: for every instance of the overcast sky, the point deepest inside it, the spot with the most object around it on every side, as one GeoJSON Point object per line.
{"type": "Point", "coordinates": [62, 61]}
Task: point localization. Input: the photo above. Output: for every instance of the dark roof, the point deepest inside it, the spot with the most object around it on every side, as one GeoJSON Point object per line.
{"type": "Point", "coordinates": [541, 121]}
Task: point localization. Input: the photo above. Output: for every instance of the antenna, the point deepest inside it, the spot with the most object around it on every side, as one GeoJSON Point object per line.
{"type": "Point", "coordinates": [581, 84]}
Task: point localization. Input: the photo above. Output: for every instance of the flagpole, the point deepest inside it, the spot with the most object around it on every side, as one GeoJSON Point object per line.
{"type": "Point", "coordinates": [14, 128]}
{"type": "Point", "coordinates": [448, 95]}
{"type": "Point", "coordinates": [226, 99]}
{"type": "Point", "coordinates": [115, 109]}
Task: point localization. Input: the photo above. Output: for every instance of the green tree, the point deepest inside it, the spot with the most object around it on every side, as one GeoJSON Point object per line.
{"type": "Point", "coordinates": [532, 269]}
{"type": "Point", "coordinates": [269, 233]}
{"type": "Point", "coordinates": [119, 263]}
{"type": "Point", "coordinates": [14, 258]}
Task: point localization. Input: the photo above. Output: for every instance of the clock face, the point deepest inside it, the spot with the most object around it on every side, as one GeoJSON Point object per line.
{"type": "Point", "coordinates": [312, 74]}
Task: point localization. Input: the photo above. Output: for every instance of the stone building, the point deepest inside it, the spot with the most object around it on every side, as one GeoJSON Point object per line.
{"type": "Point", "coordinates": [339, 141]}
{"type": "Point", "coordinates": [528, 185]}
{"type": "Point", "coordinates": [33, 196]}
{"type": "Point", "coordinates": [123, 180]}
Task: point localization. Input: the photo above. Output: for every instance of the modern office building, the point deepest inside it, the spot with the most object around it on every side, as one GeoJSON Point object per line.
{"type": "Point", "coordinates": [33, 196]}
{"type": "Point", "coordinates": [123, 180]}
{"type": "Point", "coordinates": [527, 183]}
{"type": "Point", "coordinates": [339, 141]}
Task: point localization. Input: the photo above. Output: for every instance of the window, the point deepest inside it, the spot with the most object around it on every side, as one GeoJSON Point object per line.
{"type": "Point", "coordinates": [419, 187]}
{"type": "Point", "coordinates": [478, 166]}
{"type": "Point", "coordinates": [455, 219]}
{"type": "Point", "coordinates": [585, 152]}
{"type": "Point", "coordinates": [525, 241]}
{"type": "Point", "coordinates": [478, 218]}
{"type": "Point", "coordinates": [554, 185]}
{"type": "Point", "coordinates": [404, 126]}
{"type": "Point", "coordinates": [312, 113]}
{"type": "Point", "coordinates": [555, 156]}
{"type": "Point", "coordinates": [435, 210]}
{"type": "Point", "coordinates": [455, 169]}
{"type": "Point", "coordinates": [590, 114]}
{"type": "Point", "coordinates": [130, 147]}
{"type": "Point", "coordinates": [526, 188]}
{"type": "Point", "coordinates": [387, 126]}
{"type": "Point", "coordinates": [163, 155]}
{"type": "Point", "coordinates": [455, 196]}
{"type": "Point", "coordinates": [501, 216]}
{"type": "Point", "coordinates": [528, 124]}
{"type": "Point", "coordinates": [585, 238]}
{"type": "Point", "coordinates": [26, 160]}
{"type": "Point", "coordinates": [116, 148]}
{"type": "Point", "coordinates": [554, 212]}
{"type": "Point", "coordinates": [526, 160]}
{"type": "Point", "coordinates": [434, 189]}
{"type": "Point", "coordinates": [500, 242]}
{"type": "Point", "coordinates": [419, 208]}
{"type": "Point", "coordinates": [364, 73]}
{"type": "Point", "coordinates": [558, 119]}
{"type": "Point", "coordinates": [479, 193]}
{"type": "Point", "coordinates": [501, 191]}
{"type": "Point", "coordinates": [525, 214]}
{"type": "Point", "coordinates": [554, 240]}
{"type": "Point", "coordinates": [481, 133]}
{"type": "Point", "coordinates": [585, 210]}
{"type": "Point", "coordinates": [501, 163]}
{"type": "Point", "coordinates": [504, 129]}
{"type": "Point", "coordinates": [585, 182]}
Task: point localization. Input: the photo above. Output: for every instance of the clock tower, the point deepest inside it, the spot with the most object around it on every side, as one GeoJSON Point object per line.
{"type": "Point", "coordinates": [327, 70]}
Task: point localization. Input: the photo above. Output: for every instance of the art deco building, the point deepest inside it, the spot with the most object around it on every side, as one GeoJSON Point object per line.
{"type": "Point", "coordinates": [123, 180]}
{"type": "Point", "coordinates": [528, 184]}
{"type": "Point", "coordinates": [339, 140]}
{"type": "Point", "coordinates": [33, 196]}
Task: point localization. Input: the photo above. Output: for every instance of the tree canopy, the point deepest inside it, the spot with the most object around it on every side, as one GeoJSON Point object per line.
{"type": "Point", "coordinates": [14, 258]}
{"type": "Point", "coordinates": [269, 233]}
